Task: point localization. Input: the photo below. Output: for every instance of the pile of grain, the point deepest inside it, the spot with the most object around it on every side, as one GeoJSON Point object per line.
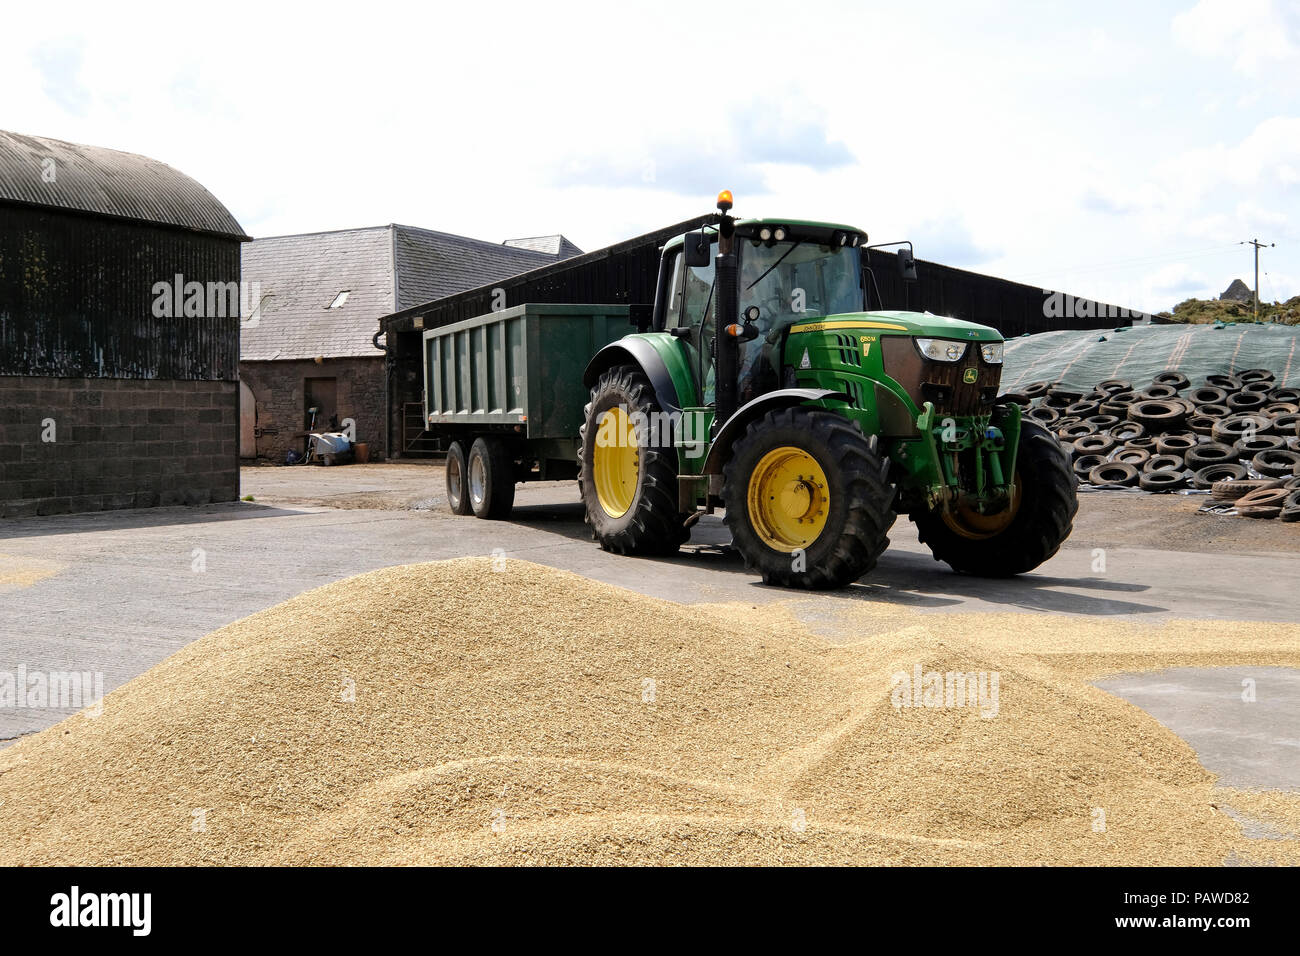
{"type": "Point", "coordinates": [447, 713]}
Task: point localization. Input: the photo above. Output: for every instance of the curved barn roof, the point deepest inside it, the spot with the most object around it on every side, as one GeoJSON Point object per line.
{"type": "Point", "coordinates": [106, 182]}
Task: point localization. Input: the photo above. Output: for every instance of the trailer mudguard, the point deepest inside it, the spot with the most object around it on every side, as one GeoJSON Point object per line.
{"type": "Point", "coordinates": [735, 427]}
{"type": "Point", "coordinates": [638, 350]}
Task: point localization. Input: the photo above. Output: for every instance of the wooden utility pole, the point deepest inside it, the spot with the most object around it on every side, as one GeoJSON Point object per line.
{"type": "Point", "coordinates": [1258, 245]}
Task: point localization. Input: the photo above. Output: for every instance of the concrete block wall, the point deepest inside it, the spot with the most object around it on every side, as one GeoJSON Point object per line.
{"type": "Point", "coordinates": [117, 443]}
{"type": "Point", "coordinates": [278, 392]}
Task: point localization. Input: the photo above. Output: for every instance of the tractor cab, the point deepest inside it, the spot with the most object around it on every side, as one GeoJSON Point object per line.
{"type": "Point", "coordinates": [790, 271]}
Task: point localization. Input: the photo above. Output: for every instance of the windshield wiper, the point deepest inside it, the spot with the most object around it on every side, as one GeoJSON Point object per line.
{"type": "Point", "coordinates": [793, 247]}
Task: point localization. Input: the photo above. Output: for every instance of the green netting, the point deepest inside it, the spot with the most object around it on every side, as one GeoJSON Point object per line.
{"type": "Point", "coordinates": [1081, 359]}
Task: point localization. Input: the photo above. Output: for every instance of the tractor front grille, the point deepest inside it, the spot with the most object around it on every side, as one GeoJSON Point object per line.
{"type": "Point", "coordinates": [945, 384]}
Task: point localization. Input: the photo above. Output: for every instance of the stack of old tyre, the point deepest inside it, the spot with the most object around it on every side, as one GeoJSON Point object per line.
{"type": "Point", "coordinates": [1237, 436]}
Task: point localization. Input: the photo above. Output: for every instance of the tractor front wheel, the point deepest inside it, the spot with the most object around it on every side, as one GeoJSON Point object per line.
{"type": "Point", "coordinates": [1024, 534]}
{"type": "Point", "coordinates": [808, 499]}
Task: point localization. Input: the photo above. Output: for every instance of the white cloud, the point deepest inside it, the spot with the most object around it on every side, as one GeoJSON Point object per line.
{"type": "Point", "coordinates": [1178, 279]}
{"type": "Point", "coordinates": [1048, 137]}
{"type": "Point", "coordinates": [1253, 34]}
{"type": "Point", "coordinates": [1268, 157]}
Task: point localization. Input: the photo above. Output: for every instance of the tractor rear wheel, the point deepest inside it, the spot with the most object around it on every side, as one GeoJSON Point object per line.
{"type": "Point", "coordinates": [456, 468]}
{"type": "Point", "coordinates": [808, 499]}
{"type": "Point", "coordinates": [627, 470]}
{"type": "Point", "coordinates": [1039, 517]}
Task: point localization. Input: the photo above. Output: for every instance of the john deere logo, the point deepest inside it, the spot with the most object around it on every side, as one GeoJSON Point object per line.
{"type": "Point", "coordinates": [969, 376]}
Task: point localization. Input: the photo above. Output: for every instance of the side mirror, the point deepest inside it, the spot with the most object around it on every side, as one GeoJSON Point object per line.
{"type": "Point", "coordinates": [907, 265]}
{"type": "Point", "coordinates": [699, 251]}
{"type": "Point", "coordinates": [640, 316]}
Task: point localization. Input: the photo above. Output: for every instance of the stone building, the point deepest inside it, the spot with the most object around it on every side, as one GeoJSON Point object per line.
{"type": "Point", "coordinates": [311, 339]}
{"type": "Point", "coordinates": [1238, 291]}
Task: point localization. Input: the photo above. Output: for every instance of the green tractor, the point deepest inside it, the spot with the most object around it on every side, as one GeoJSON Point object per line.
{"type": "Point", "coordinates": [761, 386]}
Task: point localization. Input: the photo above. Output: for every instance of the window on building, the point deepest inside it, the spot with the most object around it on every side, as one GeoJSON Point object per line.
{"type": "Point", "coordinates": [340, 299]}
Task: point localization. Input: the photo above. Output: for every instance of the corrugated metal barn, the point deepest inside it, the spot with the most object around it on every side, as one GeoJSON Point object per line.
{"type": "Point", "coordinates": [627, 273]}
{"type": "Point", "coordinates": [119, 332]}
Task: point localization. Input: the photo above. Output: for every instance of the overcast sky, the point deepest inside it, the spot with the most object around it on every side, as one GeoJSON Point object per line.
{"type": "Point", "coordinates": [1114, 150]}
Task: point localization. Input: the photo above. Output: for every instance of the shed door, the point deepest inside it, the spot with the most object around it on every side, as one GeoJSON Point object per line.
{"type": "Point", "coordinates": [320, 394]}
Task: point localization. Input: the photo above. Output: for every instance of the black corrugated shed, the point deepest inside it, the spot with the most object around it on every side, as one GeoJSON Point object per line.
{"type": "Point", "coordinates": [1012, 308]}
{"type": "Point", "coordinates": [86, 236]}
{"type": "Point", "coordinates": [77, 294]}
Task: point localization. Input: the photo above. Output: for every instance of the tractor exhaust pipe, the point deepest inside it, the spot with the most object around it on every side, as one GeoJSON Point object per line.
{"type": "Point", "coordinates": [726, 347]}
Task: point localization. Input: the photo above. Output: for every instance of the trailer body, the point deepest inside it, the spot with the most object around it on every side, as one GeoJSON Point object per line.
{"type": "Point", "coordinates": [518, 374]}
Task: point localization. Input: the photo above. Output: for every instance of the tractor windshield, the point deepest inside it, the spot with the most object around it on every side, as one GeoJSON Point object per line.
{"type": "Point", "coordinates": [795, 280]}
{"type": "Point", "coordinates": [790, 282]}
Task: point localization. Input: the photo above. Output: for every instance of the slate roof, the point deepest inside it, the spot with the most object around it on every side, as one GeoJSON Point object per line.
{"type": "Point", "coordinates": [107, 182]}
{"type": "Point", "coordinates": [435, 264]}
{"type": "Point", "coordinates": [556, 245]}
{"type": "Point", "coordinates": [383, 269]}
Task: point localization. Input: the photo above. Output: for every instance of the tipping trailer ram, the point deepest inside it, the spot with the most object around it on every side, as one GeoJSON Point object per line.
{"type": "Point", "coordinates": [761, 385]}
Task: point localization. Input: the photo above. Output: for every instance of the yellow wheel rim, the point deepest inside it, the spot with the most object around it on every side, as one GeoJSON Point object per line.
{"type": "Point", "coordinates": [788, 499]}
{"type": "Point", "coordinates": [615, 462]}
{"type": "Point", "coordinates": [969, 523]}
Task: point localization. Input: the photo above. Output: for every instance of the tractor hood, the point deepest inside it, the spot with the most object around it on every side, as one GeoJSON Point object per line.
{"type": "Point", "coordinates": [909, 323]}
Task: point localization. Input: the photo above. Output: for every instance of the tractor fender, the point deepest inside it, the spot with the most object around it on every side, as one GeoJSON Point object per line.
{"type": "Point", "coordinates": [750, 411]}
{"type": "Point", "coordinates": [638, 352]}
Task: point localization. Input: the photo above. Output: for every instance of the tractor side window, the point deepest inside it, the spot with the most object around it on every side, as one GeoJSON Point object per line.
{"type": "Point", "coordinates": [699, 305]}
{"type": "Point", "coordinates": [673, 310]}
{"type": "Point", "coordinates": [698, 302]}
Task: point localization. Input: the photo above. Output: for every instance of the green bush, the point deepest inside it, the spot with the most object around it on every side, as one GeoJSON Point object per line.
{"type": "Point", "coordinates": [1209, 311]}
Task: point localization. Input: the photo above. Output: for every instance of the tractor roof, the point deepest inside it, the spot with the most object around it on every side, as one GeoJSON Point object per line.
{"type": "Point", "coordinates": [798, 225]}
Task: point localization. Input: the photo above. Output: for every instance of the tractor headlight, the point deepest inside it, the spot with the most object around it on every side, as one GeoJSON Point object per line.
{"type": "Point", "coordinates": [941, 350]}
{"type": "Point", "coordinates": [992, 352]}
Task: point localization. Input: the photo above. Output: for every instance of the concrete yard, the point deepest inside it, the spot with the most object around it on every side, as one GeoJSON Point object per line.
{"type": "Point", "coordinates": [116, 592]}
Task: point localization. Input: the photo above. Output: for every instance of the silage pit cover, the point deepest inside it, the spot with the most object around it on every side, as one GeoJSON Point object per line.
{"type": "Point", "coordinates": [1082, 358]}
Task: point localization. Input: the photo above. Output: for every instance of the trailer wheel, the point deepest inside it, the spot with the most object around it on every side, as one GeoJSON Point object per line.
{"type": "Point", "coordinates": [627, 477]}
{"type": "Point", "coordinates": [809, 504]}
{"type": "Point", "coordinates": [457, 469]}
{"type": "Point", "coordinates": [491, 478]}
{"type": "Point", "coordinates": [1027, 532]}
